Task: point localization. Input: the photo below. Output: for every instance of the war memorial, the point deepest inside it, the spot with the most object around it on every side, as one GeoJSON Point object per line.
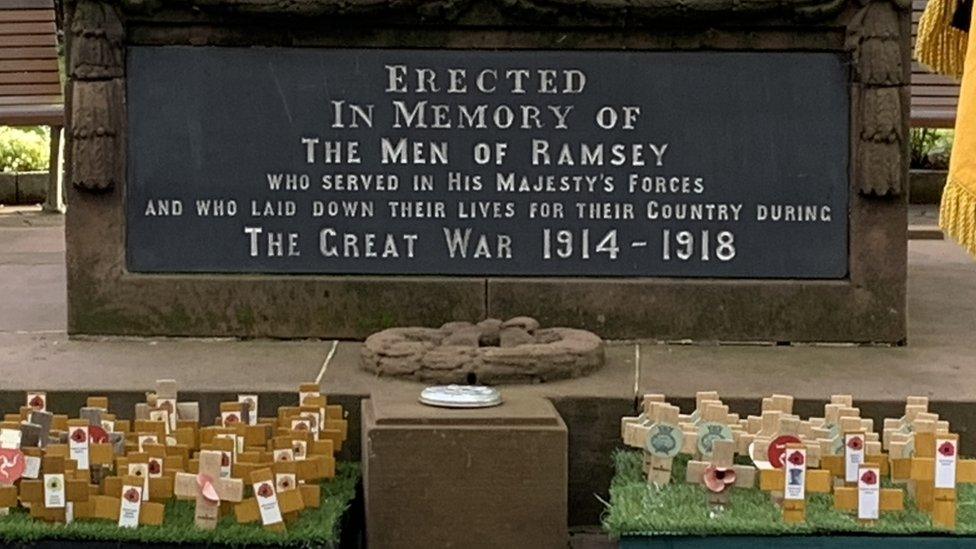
{"type": "Point", "coordinates": [575, 271]}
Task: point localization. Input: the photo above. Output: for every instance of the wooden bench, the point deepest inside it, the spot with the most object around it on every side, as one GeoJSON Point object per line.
{"type": "Point", "coordinates": [934, 97]}
{"type": "Point", "coordinates": [30, 83]}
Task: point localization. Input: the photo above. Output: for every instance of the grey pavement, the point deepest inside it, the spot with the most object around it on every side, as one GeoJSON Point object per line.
{"type": "Point", "coordinates": [939, 360]}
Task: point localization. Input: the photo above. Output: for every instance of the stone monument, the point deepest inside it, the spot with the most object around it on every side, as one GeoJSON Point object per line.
{"type": "Point", "coordinates": [705, 170]}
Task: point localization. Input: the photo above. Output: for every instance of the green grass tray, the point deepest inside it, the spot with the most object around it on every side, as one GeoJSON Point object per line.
{"type": "Point", "coordinates": [314, 528]}
{"type": "Point", "coordinates": [676, 514]}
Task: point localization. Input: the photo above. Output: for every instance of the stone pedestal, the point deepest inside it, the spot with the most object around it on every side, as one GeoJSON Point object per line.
{"type": "Point", "coordinates": [493, 477]}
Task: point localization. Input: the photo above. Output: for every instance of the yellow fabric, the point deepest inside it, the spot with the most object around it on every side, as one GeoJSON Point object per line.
{"type": "Point", "coordinates": [938, 44]}
{"type": "Point", "coordinates": [958, 212]}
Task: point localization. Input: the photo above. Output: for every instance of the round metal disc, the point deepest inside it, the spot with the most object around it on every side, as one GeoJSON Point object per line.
{"type": "Point", "coordinates": [460, 396]}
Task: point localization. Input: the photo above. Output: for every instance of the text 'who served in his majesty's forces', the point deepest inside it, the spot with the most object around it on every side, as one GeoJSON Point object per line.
{"type": "Point", "coordinates": [416, 153]}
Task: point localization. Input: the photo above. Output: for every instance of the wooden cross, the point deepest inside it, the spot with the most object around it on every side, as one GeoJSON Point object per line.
{"type": "Point", "coordinates": [659, 436]}
{"type": "Point", "coordinates": [719, 475]}
{"type": "Point", "coordinates": [96, 413]}
{"type": "Point", "coordinates": [225, 447]}
{"type": "Point", "coordinates": [711, 420]}
{"type": "Point", "coordinates": [935, 471]}
{"type": "Point", "coordinates": [901, 429]}
{"type": "Point", "coordinates": [155, 469]}
{"type": "Point", "coordinates": [776, 429]}
{"type": "Point", "coordinates": [271, 506]}
{"type": "Point", "coordinates": [36, 432]}
{"type": "Point", "coordinates": [164, 399]}
{"type": "Point", "coordinates": [82, 446]}
{"type": "Point", "coordinates": [859, 447]}
{"type": "Point", "coordinates": [868, 499]}
{"type": "Point", "coordinates": [52, 496]}
{"type": "Point", "coordinates": [794, 481]}
{"type": "Point", "coordinates": [208, 489]}
{"type": "Point", "coordinates": [8, 498]}
{"type": "Point", "coordinates": [125, 503]}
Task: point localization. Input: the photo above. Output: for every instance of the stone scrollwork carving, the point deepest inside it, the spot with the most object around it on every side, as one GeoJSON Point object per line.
{"type": "Point", "coordinates": [881, 72]}
{"type": "Point", "coordinates": [96, 68]}
{"type": "Point", "coordinates": [95, 137]}
{"type": "Point", "coordinates": [96, 41]}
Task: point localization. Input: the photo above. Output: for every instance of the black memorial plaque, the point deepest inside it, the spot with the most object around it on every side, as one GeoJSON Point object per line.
{"type": "Point", "coordinates": [467, 162]}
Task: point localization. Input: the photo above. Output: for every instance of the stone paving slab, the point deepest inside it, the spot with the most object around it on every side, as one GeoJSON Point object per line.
{"type": "Point", "coordinates": [53, 362]}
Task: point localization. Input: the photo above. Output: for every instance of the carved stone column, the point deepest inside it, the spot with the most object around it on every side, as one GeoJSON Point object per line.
{"type": "Point", "coordinates": [882, 76]}
{"type": "Point", "coordinates": [96, 69]}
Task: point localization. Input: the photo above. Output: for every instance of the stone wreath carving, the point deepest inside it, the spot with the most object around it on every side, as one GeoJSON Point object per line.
{"type": "Point", "coordinates": [490, 352]}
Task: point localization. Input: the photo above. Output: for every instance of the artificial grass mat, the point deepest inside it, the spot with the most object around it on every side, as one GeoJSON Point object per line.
{"type": "Point", "coordinates": [314, 527]}
{"type": "Point", "coordinates": [637, 509]}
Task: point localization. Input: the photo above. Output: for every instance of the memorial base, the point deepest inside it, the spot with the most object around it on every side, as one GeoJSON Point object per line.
{"type": "Point", "coordinates": [491, 477]}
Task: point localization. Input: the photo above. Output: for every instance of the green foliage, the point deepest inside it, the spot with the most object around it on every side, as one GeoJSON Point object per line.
{"type": "Point", "coordinates": [24, 149]}
{"type": "Point", "coordinates": [682, 509]}
{"type": "Point", "coordinates": [314, 528]}
{"type": "Point", "coordinates": [930, 148]}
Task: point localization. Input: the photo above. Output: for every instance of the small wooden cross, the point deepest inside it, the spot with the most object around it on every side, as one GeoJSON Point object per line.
{"type": "Point", "coordinates": [868, 499]}
{"type": "Point", "coordinates": [271, 506]}
{"type": "Point", "coordinates": [164, 402]}
{"type": "Point", "coordinates": [125, 503]}
{"type": "Point", "coordinates": [719, 475]}
{"type": "Point", "coordinates": [794, 481]}
{"type": "Point", "coordinates": [36, 432]}
{"type": "Point", "coordinates": [51, 497]}
{"type": "Point", "coordinates": [208, 489]}
{"type": "Point", "coordinates": [659, 436]}
{"type": "Point", "coordinates": [858, 448]}
{"type": "Point", "coordinates": [936, 470]}
{"type": "Point", "coordinates": [155, 469]}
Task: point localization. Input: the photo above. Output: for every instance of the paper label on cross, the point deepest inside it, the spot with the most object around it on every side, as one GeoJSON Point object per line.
{"type": "Point", "coordinates": [946, 455]}
{"type": "Point", "coordinates": [37, 401]}
{"type": "Point", "coordinates": [708, 433]}
{"type": "Point", "coordinates": [32, 467]}
{"type": "Point", "coordinates": [78, 445]}
{"type": "Point", "coordinates": [54, 491]}
{"type": "Point", "coordinates": [146, 439]}
{"type": "Point", "coordinates": [130, 506]}
{"type": "Point", "coordinates": [155, 466]}
{"type": "Point", "coordinates": [10, 438]}
{"type": "Point", "coordinates": [141, 470]}
{"type": "Point", "coordinates": [230, 419]}
{"type": "Point", "coordinates": [664, 440]}
{"type": "Point", "coordinates": [169, 406]}
{"type": "Point", "coordinates": [313, 423]}
{"type": "Point", "coordinates": [869, 492]}
{"type": "Point", "coordinates": [795, 469]}
{"type": "Point", "coordinates": [252, 401]}
{"type": "Point", "coordinates": [853, 455]}
{"type": "Point", "coordinates": [161, 415]}
{"type": "Point", "coordinates": [264, 492]}
{"type": "Point", "coordinates": [285, 481]}
{"type": "Point", "coordinates": [300, 449]}
{"type": "Point", "coordinates": [284, 454]}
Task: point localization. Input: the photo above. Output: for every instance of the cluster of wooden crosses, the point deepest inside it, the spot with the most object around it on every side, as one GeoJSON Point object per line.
{"type": "Point", "coordinates": [100, 467]}
{"type": "Point", "coordinates": [839, 453]}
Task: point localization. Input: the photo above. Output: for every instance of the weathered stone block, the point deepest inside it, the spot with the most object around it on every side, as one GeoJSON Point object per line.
{"type": "Point", "coordinates": [492, 477]}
